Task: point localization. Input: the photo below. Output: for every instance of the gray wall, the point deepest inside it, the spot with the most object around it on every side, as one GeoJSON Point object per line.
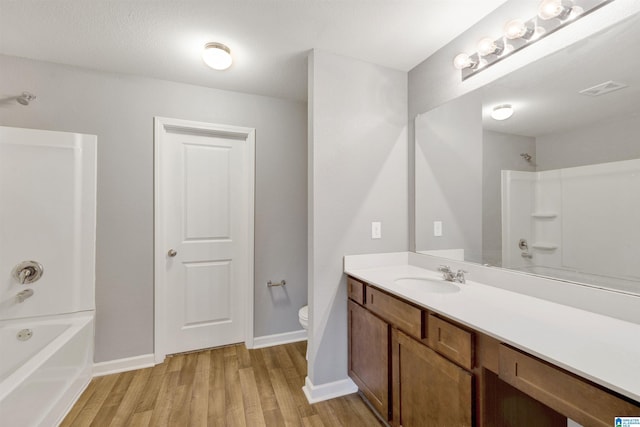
{"type": "Point", "coordinates": [607, 141]}
{"type": "Point", "coordinates": [501, 151]}
{"type": "Point", "coordinates": [119, 109]}
{"type": "Point", "coordinates": [357, 174]}
{"type": "Point", "coordinates": [448, 184]}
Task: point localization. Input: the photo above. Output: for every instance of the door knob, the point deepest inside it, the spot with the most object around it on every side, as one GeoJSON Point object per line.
{"type": "Point", "coordinates": [172, 253]}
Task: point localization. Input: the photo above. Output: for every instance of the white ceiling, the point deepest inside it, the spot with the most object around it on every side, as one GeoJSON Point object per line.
{"type": "Point", "coordinates": [545, 94]}
{"type": "Point", "coordinates": [269, 39]}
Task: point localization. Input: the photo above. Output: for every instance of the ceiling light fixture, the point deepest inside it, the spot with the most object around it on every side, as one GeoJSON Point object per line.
{"type": "Point", "coordinates": [217, 56]}
{"type": "Point", "coordinates": [502, 112]}
{"type": "Point", "coordinates": [518, 33]}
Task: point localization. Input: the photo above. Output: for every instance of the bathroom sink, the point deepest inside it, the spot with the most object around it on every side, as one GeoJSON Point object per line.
{"type": "Point", "coordinates": [422, 284]}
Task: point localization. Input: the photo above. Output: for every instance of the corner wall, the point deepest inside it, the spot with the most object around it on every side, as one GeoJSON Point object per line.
{"type": "Point", "coordinates": [357, 174]}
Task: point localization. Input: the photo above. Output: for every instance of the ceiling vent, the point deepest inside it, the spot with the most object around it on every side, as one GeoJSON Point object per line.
{"type": "Point", "coordinates": [603, 88]}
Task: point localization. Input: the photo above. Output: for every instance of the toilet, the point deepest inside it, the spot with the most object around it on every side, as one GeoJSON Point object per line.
{"type": "Point", "coordinates": [303, 317]}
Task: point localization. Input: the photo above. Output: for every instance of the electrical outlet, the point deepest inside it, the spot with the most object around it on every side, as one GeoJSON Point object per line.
{"type": "Point", "coordinates": [437, 228]}
{"type": "Point", "coordinates": [376, 230]}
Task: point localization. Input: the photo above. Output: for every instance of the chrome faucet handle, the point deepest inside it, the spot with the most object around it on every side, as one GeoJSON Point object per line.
{"type": "Point", "coordinates": [28, 272]}
{"type": "Point", "coordinates": [447, 274]}
{"type": "Point", "coordinates": [460, 276]}
{"type": "Point", "coordinates": [24, 274]}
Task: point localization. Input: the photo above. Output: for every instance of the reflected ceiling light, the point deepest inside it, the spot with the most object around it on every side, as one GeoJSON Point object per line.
{"type": "Point", "coordinates": [520, 33]}
{"type": "Point", "coordinates": [517, 29]}
{"type": "Point", "coordinates": [463, 60]}
{"type": "Point", "coordinates": [217, 56]}
{"type": "Point", "coordinates": [550, 9]}
{"type": "Point", "coordinates": [502, 112]}
{"type": "Point", "coordinates": [488, 46]}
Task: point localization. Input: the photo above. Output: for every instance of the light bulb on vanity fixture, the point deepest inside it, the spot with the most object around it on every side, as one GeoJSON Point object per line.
{"type": "Point", "coordinates": [487, 46]}
{"type": "Point", "coordinates": [518, 29]}
{"type": "Point", "coordinates": [217, 56]}
{"type": "Point", "coordinates": [462, 61]}
{"type": "Point", "coordinates": [550, 9]}
{"type": "Point", "coordinates": [502, 112]}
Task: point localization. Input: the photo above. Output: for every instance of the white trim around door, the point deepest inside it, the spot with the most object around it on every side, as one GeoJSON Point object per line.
{"type": "Point", "coordinates": [163, 127]}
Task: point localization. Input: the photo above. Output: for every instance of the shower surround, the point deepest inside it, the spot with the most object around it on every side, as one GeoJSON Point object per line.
{"type": "Point", "coordinates": [578, 224]}
{"type": "Point", "coordinates": [47, 259]}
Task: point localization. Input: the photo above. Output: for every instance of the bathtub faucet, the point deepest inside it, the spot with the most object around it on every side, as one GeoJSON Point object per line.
{"type": "Point", "coordinates": [23, 295]}
{"type": "Point", "coordinates": [28, 272]}
{"type": "Point", "coordinates": [24, 275]}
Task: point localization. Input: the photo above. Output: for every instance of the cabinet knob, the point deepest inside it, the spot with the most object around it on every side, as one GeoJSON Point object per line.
{"type": "Point", "coordinates": [172, 253]}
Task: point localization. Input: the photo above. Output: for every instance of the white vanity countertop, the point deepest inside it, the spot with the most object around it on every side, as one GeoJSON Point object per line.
{"type": "Point", "coordinates": [596, 347]}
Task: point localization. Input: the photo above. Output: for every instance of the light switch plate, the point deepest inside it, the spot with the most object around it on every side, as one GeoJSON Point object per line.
{"type": "Point", "coordinates": [437, 228]}
{"type": "Point", "coordinates": [376, 230]}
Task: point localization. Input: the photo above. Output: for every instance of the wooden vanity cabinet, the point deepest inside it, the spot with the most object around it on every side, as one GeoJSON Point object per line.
{"type": "Point", "coordinates": [420, 369]}
{"type": "Point", "coordinates": [566, 393]}
{"type": "Point", "coordinates": [369, 356]}
{"type": "Point", "coordinates": [425, 388]}
{"type": "Point", "coordinates": [428, 390]}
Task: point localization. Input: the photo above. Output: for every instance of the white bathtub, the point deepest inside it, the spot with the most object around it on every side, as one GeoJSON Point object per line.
{"type": "Point", "coordinates": [41, 378]}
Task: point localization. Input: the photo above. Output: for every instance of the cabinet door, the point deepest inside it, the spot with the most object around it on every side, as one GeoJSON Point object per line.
{"type": "Point", "coordinates": [369, 356]}
{"type": "Point", "coordinates": [428, 390]}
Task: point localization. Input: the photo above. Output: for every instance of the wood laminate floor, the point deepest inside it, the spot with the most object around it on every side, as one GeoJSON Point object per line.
{"type": "Point", "coordinates": [229, 386]}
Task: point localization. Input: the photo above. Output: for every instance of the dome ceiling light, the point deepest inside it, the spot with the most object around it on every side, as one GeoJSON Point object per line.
{"type": "Point", "coordinates": [502, 112]}
{"type": "Point", "coordinates": [217, 56]}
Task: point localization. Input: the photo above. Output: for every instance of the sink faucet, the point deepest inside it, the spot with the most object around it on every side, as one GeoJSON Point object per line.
{"type": "Point", "coordinates": [450, 276]}
{"type": "Point", "coordinates": [460, 277]}
{"type": "Point", "coordinates": [447, 274]}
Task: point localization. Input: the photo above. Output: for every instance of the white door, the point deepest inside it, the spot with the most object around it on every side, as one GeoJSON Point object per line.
{"type": "Point", "coordinates": [203, 237]}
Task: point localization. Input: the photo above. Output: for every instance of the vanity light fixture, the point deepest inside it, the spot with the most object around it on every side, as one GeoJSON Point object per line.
{"type": "Point", "coordinates": [217, 56]}
{"type": "Point", "coordinates": [502, 112]}
{"type": "Point", "coordinates": [518, 33]}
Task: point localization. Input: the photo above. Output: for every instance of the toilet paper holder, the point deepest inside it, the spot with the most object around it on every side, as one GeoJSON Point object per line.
{"type": "Point", "coordinates": [270, 284]}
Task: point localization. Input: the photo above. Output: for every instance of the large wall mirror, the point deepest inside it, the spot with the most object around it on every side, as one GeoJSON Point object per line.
{"type": "Point", "coordinates": [553, 190]}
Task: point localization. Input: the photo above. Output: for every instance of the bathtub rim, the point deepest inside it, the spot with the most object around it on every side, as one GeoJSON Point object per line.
{"type": "Point", "coordinates": [78, 321]}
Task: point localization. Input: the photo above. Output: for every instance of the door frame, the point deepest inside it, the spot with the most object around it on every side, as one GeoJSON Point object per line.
{"type": "Point", "coordinates": [161, 126]}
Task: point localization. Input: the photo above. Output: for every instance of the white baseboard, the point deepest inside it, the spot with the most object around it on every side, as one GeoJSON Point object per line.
{"type": "Point", "coordinates": [277, 339]}
{"type": "Point", "coordinates": [148, 360]}
{"type": "Point", "coordinates": [123, 365]}
{"type": "Point", "coordinates": [318, 393]}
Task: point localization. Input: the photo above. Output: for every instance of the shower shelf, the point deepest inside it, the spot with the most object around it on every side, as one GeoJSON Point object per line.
{"type": "Point", "coordinates": [544, 246]}
{"type": "Point", "coordinates": [544, 215]}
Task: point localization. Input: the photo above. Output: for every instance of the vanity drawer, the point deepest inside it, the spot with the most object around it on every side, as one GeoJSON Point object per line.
{"type": "Point", "coordinates": [355, 290]}
{"type": "Point", "coordinates": [451, 341]}
{"type": "Point", "coordinates": [398, 313]}
{"type": "Point", "coordinates": [571, 396]}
